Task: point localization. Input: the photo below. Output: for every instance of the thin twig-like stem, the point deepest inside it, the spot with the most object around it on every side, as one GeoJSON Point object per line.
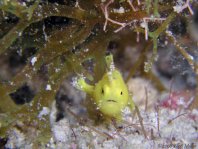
{"type": "Point", "coordinates": [141, 122]}
{"type": "Point", "coordinates": [170, 121]}
{"type": "Point", "coordinates": [191, 62]}
{"type": "Point", "coordinates": [146, 99]}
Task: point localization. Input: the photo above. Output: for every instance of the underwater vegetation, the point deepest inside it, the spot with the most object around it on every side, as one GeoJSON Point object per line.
{"type": "Point", "coordinates": [44, 42]}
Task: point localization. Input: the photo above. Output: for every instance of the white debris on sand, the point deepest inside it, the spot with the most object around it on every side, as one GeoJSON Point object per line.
{"type": "Point", "coordinates": [173, 130]}
{"type": "Point", "coordinates": [120, 10]}
{"type": "Point", "coordinates": [48, 87]}
{"type": "Point", "coordinates": [43, 112]}
{"type": "Point", "coordinates": [16, 139]}
{"type": "Point", "coordinates": [33, 60]}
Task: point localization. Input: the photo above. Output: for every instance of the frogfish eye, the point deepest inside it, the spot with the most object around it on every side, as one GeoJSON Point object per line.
{"type": "Point", "coordinates": [102, 91]}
